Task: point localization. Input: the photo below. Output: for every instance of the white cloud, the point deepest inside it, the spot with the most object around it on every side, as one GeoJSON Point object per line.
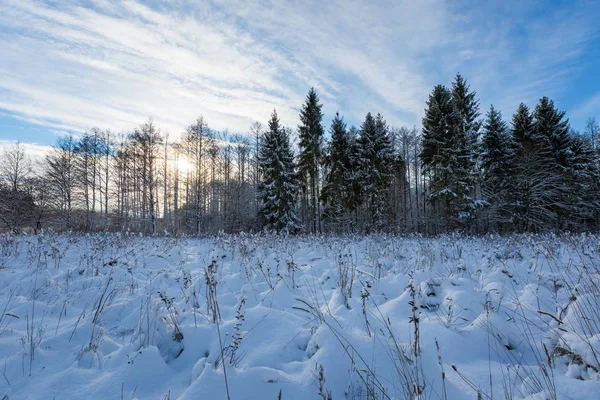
{"type": "Point", "coordinates": [36, 152]}
{"type": "Point", "coordinates": [120, 62]}
{"type": "Point", "coordinates": [115, 63]}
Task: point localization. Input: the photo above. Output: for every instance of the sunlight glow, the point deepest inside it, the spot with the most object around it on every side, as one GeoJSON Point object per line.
{"type": "Point", "coordinates": [183, 165]}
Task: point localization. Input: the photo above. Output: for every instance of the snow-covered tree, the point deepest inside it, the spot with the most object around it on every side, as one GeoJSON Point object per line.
{"type": "Point", "coordinates": [375, 156]}
{"type": "Point", "coordinates": [310, 158]}
{"type": "Point", "coordinates": [353, 178]}
{"type": "Point", "coordinates": [523, 128]}
{"type": "Point", "coordinates": [467, 148]}
{"type": "Point", "coordinates": [552, 130]}
{"type": "Point", "coordinates": [447, 160]}
{"type": "Point", "coordinates": [543, 165]}
{"type": "Point", "coordinates": [496, 149]}
{"type": "Point", "coordinates": [338, 188]}
{"type": "Point", "coordinates": [496, 159]}
{"type": "Point", "coordinates": [553, 134]}
{"type": "Point", "coordinates": [467, 107]}
{"type": "Point", "coordinates": [278, 189]}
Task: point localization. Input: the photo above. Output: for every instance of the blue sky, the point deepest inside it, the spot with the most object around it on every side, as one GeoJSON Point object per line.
{"type": "Point", "coordinates": [69, 65]}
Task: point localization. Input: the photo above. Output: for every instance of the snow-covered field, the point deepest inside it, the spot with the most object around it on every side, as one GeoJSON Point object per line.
{"type": "Point", "coordinates": [124, 317]}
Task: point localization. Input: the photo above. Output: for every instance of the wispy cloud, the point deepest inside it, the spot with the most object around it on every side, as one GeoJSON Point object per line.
{"type": "Point", "coordinates": [520, 51]}
{"type": "Point", "coordinates": [74, 64]}
{"type": "Point", "coordinates": [589, 108]}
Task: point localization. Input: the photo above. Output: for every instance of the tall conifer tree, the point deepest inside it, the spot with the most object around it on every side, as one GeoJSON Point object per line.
{"type": "Point", "coordinates": [375, 156]}
{"type": "Point", "coordinates": [337, 189]}
{"type": "Point", "coordinates": [443, 157]}
{"type": "Point", "coordinates": [310, 157]}
{"type": "Point", "coordinates": [467, 163]}
{"type": "Point", "coordinates": [278, 188]}
{"type": "Point", "coordinates": [496, 162]}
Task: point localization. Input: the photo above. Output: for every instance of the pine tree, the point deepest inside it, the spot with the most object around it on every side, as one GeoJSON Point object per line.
{"type": "Point", "coordinates": [467, 107]}
{"type": "Point", "coordinates": [375, 156]}
{"type": "Point", "coordinates": [278, 188]}
{"type": "Point", "coordinates": [523, 127]}
{"type": "Point", "coordinates": [496, 146]}
{"type": "Point", "coordinates": [311, 142]}
{"type": "Point", "coordinates": [552, 132]}
{"type": "Point", "coordinates": [467, 134]}
{"type": "Point", "coordinates": [522, 134]}
{"type": "Point", "coordinates": [497, 167]}
{"type": "Point", "coordinates": [537, 186]}
{"type": "Point", "coordinates": [447, 159]}
{"type": "Point", "coordinates": [437, 127]}
{"type": "Point", "coordinates": [337, 189]}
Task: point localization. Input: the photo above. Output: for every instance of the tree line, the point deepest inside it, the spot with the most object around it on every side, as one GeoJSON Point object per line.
{"type": "Point", "coordinates": [460, 171]}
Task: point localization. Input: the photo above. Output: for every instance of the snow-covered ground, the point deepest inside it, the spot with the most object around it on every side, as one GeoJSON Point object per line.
{"type": "Point", "coordinates": [124, 317]}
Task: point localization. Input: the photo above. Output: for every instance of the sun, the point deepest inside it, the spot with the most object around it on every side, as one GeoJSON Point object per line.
{"type": "Point", "coordinates": [183, 165]}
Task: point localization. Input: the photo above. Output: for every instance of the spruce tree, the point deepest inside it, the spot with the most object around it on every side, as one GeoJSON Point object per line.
{"type": "Point", "coordinates": [337, 189]}
{"type": "Point", "coordinates": [537, 186]}
{"type": "Point", "coordinates": [437, 127]}
{"type": "Point", "coordinates": [467, 107]}
{"type": "Point", "coordinates": [524, 160]}
{"type": "Point", "coordinates": [353, 183]}
{"type": "Point", "coordinates": [466, 145]}
{"type": "Point", "coordinates": [497, 168]}
{"type": "Point", "coordinates": [375, 156]}
{"type": "Point", "coordinates": [311, 142]}
{"type": "Point", "coordinates": [523, 128]}
{"type": "Point", "coordinates": [495, 154]}
{"type": "Point", "coordinates": [447, 160]}
{"type": "Point", "coordinates": [552, 129]}
{"type": "Point", "coordinates": [278, 188]}
{"type": "Point", "coordinates": [552, 132]}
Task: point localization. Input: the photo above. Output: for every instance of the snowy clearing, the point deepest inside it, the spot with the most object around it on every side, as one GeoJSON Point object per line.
{"type": "Point", "coordinates": [124, 317]}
